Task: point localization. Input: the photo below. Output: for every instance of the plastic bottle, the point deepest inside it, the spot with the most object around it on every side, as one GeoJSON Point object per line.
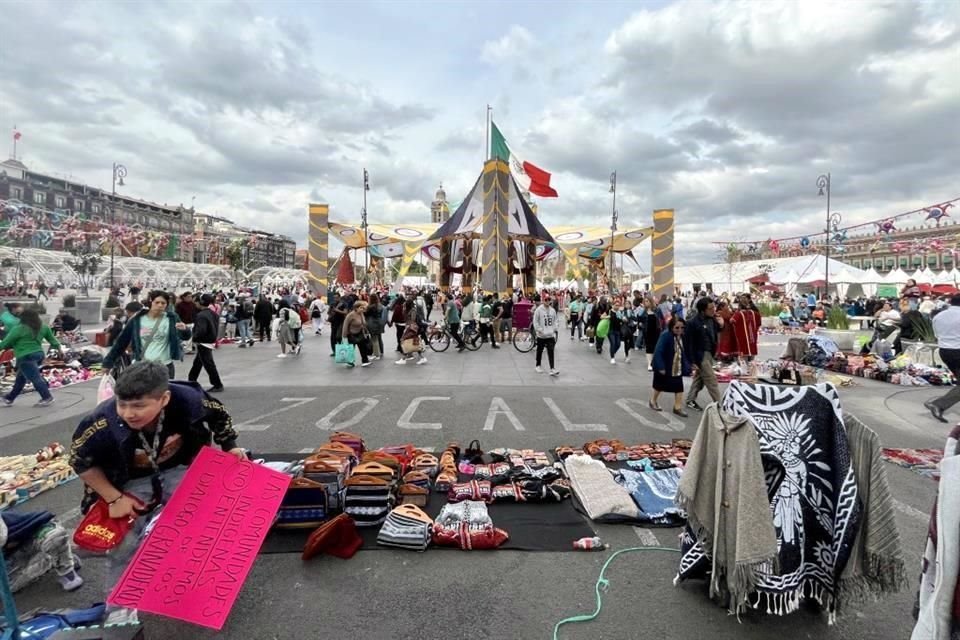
{"type": "Point", "coordinates": [590, 544]}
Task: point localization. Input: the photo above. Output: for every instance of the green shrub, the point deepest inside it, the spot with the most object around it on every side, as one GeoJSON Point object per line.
{"type": "Point", "coordinates": [69, 301]}
{"type": "Point", "coordinates": [838, 319]}
{"type": "Point", "coordinates": [768, 309]}
{"type": "Point", "coordinates": [923, 326]}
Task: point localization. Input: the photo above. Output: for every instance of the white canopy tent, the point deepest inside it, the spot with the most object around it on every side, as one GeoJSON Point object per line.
{"type": "Point", "coordinates": [897, 277]}
{"type": "Point", "coordinates": [869, 281]}
{"type": "Point", "coordinates": [923, 276]}
{"type": "Point", "coordinates": [733, 277]}
{"type": "Point", "coordinates": [945, 277]}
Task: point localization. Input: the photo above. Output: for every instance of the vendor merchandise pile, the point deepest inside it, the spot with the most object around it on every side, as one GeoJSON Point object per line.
{"type": "Point", "coordinates": [787, 500]}
{"type": "Point", "coordinates": [342, 487]}
{"type": "Point", "coordinates": [60, 370]}
{"type": "Point", "coordinates": [818, 352]}
{"type": "Point", "coordinates": [24, 477]}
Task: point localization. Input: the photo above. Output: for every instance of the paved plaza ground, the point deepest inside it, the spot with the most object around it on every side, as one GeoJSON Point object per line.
{"type": "Point", "coordinates": [289, 405]}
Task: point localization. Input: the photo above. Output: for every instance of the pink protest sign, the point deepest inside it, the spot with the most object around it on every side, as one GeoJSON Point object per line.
{"type": "Point", "coordinates": [194, 562]}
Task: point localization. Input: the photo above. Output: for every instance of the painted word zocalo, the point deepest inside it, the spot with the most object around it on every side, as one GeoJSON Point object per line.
{"type": "Point", "coordinates": [353, 411]}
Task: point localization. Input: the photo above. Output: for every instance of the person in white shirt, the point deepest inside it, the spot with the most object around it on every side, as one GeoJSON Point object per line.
{"type": "Point", "coordinates": [927, 306]}
{"type": "Point", "coordinates": [546, 327]}
{"type": "Point", "coordinates": [318, 311]}
{"type": "Point", "coordinates": [946, 324]}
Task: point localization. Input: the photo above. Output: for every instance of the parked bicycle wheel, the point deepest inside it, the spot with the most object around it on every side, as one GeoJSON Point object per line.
{"type": "Point", "coordinates": [523, 340]}
{"type": "Point", "coordinates": [439, 340]}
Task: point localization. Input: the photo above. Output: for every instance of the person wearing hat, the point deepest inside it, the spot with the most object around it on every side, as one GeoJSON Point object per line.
{"type": "Point", "coordinates": [205, 330]}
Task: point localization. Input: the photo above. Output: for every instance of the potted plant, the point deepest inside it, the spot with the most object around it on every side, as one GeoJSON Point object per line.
{"type": "Point", "coordinates": [69, 301]}
{"type": "Point", "coordinates": [770, 314]}
{"type": "Point", "coordinates": [838, 329]}
{"type": "Point", "coordinates": [85, 263]}
{"type": "Point", "coordinates": [924, 349]}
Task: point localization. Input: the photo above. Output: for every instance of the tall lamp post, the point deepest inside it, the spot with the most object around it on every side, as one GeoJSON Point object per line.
{"type": "Point", "coordinates": [119, 173]}
{"type": "Point", "coordinates": [613, 227]}
{"type": "Point", "coordinates": [833, 225]}
{"type": "Point", "coordinates": [363, 223]}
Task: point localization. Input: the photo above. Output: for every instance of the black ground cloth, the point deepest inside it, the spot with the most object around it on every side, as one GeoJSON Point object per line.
{"type": "Point", "coordinates": [547, 526]}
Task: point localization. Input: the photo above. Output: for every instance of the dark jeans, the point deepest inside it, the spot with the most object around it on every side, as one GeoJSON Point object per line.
{"type": "Point", "coordinates": [951, 358]}
{"type": "Point", "coordinates": [171, 371]}
{"type": "Point", "coordinates": [204, 360]}
{"type": "Point", "coordinates": [487, 332]}
{"type": "Point", "coordinates": [615, 340]}
{"type": "Point", "coordinates": [575, 325]}
{"type": "Point", "coordinates": [334, 336]}
{"type": "Point", "coordinates": [548, 344]}
{"type": "Point", "coordinates": [598, 341]}
{"type": "Point", "coordinates": [363, 344]}
{"type": "Point", "coordinates": [263, 329]}
{"type": "Point", "coordinates": [28, 369]}
{"type": "Point", "coordinates": [454, 328]}
{"type": "Point", "coordinates": [400, 329]}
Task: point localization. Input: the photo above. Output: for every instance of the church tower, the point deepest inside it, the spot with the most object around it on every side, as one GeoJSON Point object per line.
{"type": "Point", "coordinates": [440, 208]}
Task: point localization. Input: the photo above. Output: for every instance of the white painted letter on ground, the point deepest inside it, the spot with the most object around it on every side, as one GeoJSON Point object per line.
{"type": "Point", "coordinates": [673, 424]}
{"type": "Point", "coordinates": [405, 420]}
{"type": "Point", "coordinates": [565, 421]}
{"type": "Point", "coordinates": [326, 422]}
{"type": "Point", "coordinates": [499, 408]}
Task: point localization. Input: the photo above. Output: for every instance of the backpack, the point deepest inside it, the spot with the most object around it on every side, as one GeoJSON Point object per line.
{"type": "Point", "coordinates": [248, 307]}
{"type": "Point", "coordinates": [304, 316]}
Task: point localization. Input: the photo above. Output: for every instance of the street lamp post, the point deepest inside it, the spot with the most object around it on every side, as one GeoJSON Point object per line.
{"type": "Point", "coordinates": [613, 227]}
{"type": "Point", "coordinates": [363, 223]}
{"type": "Point", "coordinates": [833, 225]}
{"type": "Point", "coordinates": [119, 173]}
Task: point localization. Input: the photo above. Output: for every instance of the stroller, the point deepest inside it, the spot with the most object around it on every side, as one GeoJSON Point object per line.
{"type": "Point", "coordinates": [69, 330]}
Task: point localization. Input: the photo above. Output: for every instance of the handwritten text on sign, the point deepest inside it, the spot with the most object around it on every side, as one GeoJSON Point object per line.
{"type": "Point", "coordinates": [195, 560]}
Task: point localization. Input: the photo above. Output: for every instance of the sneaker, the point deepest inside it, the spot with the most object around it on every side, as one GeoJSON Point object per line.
{"type": "Point", "coordinates": [243, 345]}
{"type": "Point", "coordinates": [283, 355]}
{"type": "Point", "coordinates": [934, 410]}
{"type": "Point", "coordinates": [215, 389]}
{"type": "Point", "coordinates": [571, 337]}
{"type": "Point", "coordinates": [649, 367]}
{"type": "Point", "coordinates": [627, 359]}
{"type": "Point", "coordinates": [613, 361]}
{"type": "Point", "coordinates": [70, 582]}
{"type": "Point", "coordinates": [366, 364]}
{"type": "Point", "coordinates": [44, 403]}
{"type": "Point", "coordinates": [374, 358]}
{"type": "Point", "coordinates": [539, 370]}
{"type": "Point", "coordinates": [495, 346]}
{"type": "Point", "coordinates": [121, 616]}
{"type": "Point", "coordinates": [554, 372]}
{"type": "Point", "coordinates": [299, 348]}
{"type": "Point", "coordinates": [6, 402]}
{"type": "Point", "coordinates": [422, 361]}
{"type": "Point", "coordinates": [401, 361]}
{"type": "Point", "coordinates": [692, 404]}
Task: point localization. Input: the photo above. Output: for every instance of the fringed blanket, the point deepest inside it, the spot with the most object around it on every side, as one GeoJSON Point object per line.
{"type": "Point", "coordinates": [812, 489]}
{"type": "Point", "coordinates": [938, 602]}
{"type": "Point", "coordinates": [654, 492]}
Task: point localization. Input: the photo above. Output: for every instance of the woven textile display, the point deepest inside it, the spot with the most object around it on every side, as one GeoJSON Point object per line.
{"type": "Point", "coordinates": [813, 493]}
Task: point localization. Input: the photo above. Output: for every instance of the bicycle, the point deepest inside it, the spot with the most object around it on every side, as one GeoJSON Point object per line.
{"type": "Point", "coordinates": [438, 338]}
{"type": "Point", "coordinates": [471, 337]}
{"type": "Point", "coordinates": [523, 340]}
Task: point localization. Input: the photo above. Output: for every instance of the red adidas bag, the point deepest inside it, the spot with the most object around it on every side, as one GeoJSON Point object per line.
{"type": "Point", "coordinates": [98, 532]}
{"type": "Point", "coordinates": [304, 315]}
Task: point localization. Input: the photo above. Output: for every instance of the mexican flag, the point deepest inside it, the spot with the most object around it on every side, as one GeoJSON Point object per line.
{"type": "Point", "coordinates": [529, 176]}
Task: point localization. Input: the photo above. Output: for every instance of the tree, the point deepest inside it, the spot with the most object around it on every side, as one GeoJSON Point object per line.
{"type": "Point", "coordinates": [85, 263]}
{"type": "Point", "coordinates": [235, 254]}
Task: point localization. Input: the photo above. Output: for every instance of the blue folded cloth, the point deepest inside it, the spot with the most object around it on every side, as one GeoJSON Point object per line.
{"type": "Point", "coordinates": [654, 493]}
{"type": "Point", "coordinates": [21, 527]}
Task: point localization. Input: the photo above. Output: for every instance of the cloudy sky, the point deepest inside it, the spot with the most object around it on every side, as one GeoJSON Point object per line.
{"type": "Point", "coordinates": [725, 111]}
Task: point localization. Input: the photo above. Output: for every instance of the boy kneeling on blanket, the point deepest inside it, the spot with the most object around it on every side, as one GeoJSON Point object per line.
{"type": "Point", "coordinates": [134, 449]}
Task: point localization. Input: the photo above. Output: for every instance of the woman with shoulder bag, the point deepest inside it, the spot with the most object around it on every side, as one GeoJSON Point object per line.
{"type": "Point", "coordinates": [355, 331]}
{"type": "Point", "coordinates": [410, 342]}
{"type": "Point", "coordinates": [670, 364]}
{"type": "Point", "coordinates": [374, 317]}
